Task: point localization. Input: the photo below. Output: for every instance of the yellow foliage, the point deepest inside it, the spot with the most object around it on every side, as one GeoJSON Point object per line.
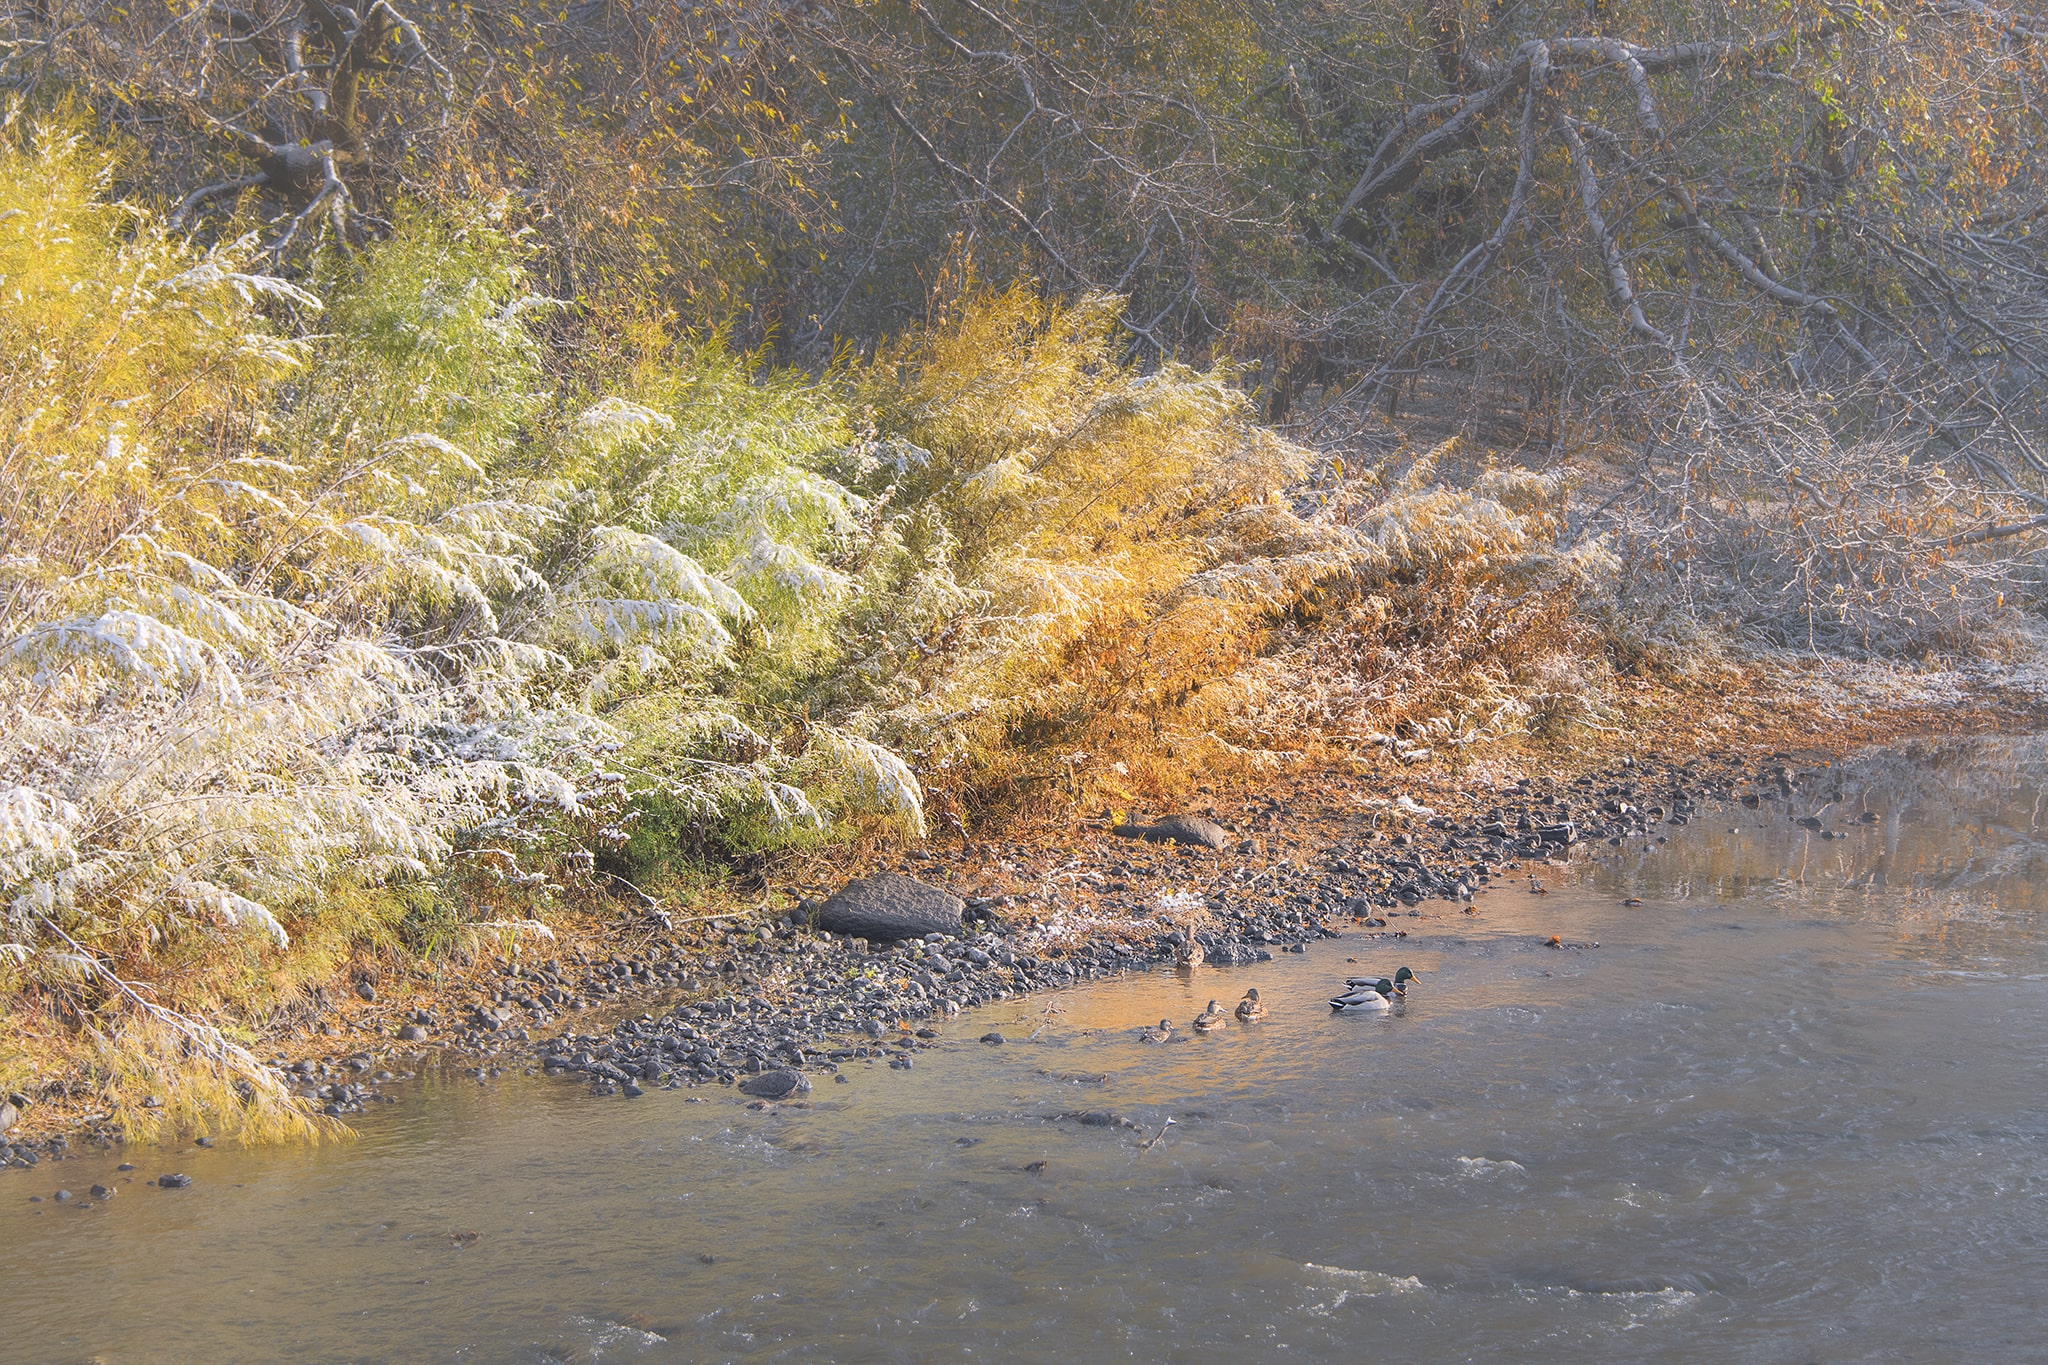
{"type": "Point", "coordinates": [1078, 492]}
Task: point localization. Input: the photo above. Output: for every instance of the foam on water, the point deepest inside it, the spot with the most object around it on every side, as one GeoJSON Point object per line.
{"type": "Point", "coordinates": [1367, 1281]}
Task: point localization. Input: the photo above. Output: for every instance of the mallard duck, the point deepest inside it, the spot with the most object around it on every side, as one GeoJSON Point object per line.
{"type": "Point", "coordinates": [1249, 1009]}
{"type": "Point", "coordinates": [1402, 976]}
{"type": "Point", "coordinates": [1378, 996]}
{"type": "Point", "coordinates": [1189, 954]}
{"type": "Point", "coordinates": [1210, 1018]}
{"type": "Point", "coordinates": [1156, 1035]}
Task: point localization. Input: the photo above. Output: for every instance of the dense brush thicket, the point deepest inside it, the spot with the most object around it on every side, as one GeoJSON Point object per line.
{"type": "Point", "coordinates": [1766, 274]}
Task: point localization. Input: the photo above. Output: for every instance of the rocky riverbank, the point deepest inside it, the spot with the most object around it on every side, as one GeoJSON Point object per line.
{"type": "Point", "coordinates": [1357, 862]}
{"type": "Point", "coordinates": [1238, 878]}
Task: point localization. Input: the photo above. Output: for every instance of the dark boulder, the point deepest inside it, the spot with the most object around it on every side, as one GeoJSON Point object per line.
{"type": "Point", "coordinates": [1178, 829]}
{"type": "Point", "coordinates": [888, 906]}
{"type": "Point", "coordinates": [780, 1084]}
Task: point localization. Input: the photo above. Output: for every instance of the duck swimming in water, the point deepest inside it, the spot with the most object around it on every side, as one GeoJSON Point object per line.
{"type": "Point", "coordinates": [1378, 996]}
{"type": "Point", "coordinates": [1156, 1035]}
{"type": "Point", "coordinates": [1209, 1019]}
{"type": "Point", "coordinates": [1402, 976]}
{"type": "Point", "coordinates": [1249, 1009]}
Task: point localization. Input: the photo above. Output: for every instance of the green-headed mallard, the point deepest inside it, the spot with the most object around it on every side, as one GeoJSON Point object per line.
{"type": "Point", "coordinates": [1378, 996]}
{"type": "Point", "coordinates": [1402, 976]}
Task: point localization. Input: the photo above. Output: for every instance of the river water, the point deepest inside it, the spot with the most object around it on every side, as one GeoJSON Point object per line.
{"type": "Point", "coordinates": [1793, 1107]}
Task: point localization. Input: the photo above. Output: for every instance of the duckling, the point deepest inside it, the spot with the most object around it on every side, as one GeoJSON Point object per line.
{"type": "Point", "coordinates": [1209, 1019]}
{"type": "Point", "coordinates": [1378, 996]}
{"type": "Point", "coordinates": [1158, 1035]}
{"type": "Point", "coordinates": [1402, 976]}
{"type": "Point", "coordinates": [1249, 1009]}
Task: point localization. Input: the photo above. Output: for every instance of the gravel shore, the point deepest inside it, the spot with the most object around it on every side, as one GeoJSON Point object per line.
{"type": "Point", "coordinates": [1317, 856]}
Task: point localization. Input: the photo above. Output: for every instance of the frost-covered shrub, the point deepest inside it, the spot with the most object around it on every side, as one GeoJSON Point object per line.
{"type": "Point", "coordinates": [1766, 526]}
{"type": "Point", "coordinates": [1406, 610]}
{"type": "Point", "coordinates": [305, 597]}
{"type": "Point", "coordinates": [210, 718]}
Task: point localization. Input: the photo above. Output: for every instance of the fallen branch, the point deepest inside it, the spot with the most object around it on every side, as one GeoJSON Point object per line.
{"type": "Point", "coordinates": [206, 192]}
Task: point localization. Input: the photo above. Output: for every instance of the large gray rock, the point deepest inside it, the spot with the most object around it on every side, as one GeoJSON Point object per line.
{"type": "Point", "coordinates": [891, 906]}
{"type": "Point", "coordinates": [1179, 829]}
{"type": "Point", "coordinates": [779, 1084]}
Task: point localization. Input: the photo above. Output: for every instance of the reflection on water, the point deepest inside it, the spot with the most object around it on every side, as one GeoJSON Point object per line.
{"type": "Point", "coordinates": [1790, 1108]}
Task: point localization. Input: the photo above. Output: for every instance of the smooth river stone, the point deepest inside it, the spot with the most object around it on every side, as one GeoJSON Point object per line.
{"type": "Point", "coordinates": [890, 906]}
{"type": "Point", "coordinates": [776, 1085]}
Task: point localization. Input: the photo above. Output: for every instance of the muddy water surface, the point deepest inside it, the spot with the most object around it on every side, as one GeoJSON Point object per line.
{"type": "Point", "coordinates": [1792, 1107]}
